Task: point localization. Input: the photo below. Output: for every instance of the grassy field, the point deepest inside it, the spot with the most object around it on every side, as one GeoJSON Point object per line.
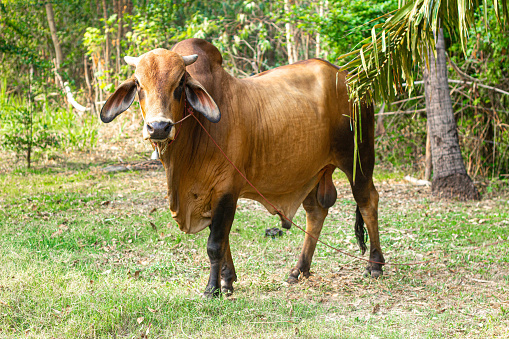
{"type": "Point", "coordinates": [90, 254]}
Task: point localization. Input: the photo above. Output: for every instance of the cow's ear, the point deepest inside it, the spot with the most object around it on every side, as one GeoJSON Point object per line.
{"type": "Point", "coordinates": [201, 101]}
{"type": "Point", "coordinates": [119, 101]}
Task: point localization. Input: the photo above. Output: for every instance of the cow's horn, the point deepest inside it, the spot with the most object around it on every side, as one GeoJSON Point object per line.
{"type": "Point", "coordinates": [190, 59]}
{"type": "Point", "coordinates": [132, 61]}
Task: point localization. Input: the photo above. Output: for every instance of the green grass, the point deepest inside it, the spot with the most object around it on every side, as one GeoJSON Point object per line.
{"type": "Point", "coordinates": [84, 255]}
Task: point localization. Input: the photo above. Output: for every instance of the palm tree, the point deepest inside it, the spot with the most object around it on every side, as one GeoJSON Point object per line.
{"type": "Point", "coordinates": [450, 177]}
{"type": "Point", "coordinates": [409, 40]}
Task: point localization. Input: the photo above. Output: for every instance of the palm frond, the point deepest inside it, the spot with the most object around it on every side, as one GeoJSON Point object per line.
{"type": "Point", "coordinates": [399, 46]}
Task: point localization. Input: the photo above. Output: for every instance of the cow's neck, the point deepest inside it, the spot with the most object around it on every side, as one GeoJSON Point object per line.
{"type": "Point", "coordinates": [189, 183]}
{"type": "Point", "coordinates": [193, 164]}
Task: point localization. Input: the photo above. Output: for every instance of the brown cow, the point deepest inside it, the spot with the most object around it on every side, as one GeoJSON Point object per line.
{"type": "Point", "coordinates": [286, 129]}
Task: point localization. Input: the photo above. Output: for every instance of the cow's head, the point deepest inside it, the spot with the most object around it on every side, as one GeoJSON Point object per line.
{"type": "Point", "coordinates": [161, 82]}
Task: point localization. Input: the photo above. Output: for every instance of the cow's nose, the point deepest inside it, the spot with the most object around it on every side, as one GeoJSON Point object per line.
{"type": "Point", "coordinates": [159, 130]}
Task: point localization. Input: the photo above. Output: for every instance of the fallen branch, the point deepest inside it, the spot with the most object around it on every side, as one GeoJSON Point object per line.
{"type": "Point", "coordinates": [68, 94]}
{"type": "Point", "coordinates": [417, 182]}
{"type": "Point", "coordinates": [71, 100]}
{"type": "Point", "coordinates": [409, 99]}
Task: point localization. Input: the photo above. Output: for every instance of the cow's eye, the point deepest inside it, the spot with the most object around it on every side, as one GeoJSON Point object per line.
{"type": "Point", "coordinates": [178, 91]}
{"type": "Point", "coordinates": [182, 80]}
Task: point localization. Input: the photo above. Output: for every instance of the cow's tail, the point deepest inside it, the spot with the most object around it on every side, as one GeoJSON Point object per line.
{"type": "Point", "coordinates": [360, 231]}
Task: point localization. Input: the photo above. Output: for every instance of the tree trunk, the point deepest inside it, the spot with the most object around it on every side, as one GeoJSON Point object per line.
{"type": "Point", "coordinates": [107, 43]}
{"type": "Point", "coordinates": [90, 96]}
{"type": "Point", "coordinates": [120, 14]}
{"type": "Point", "coordinates": [30, 126]}
{"type": "Point", "coordinates": [52, 28]}
{"type": "Point", "coordinates": [428, 166]}
{"type": "Point", "coordinates": [380, 128]}
{"type": "Point", "coordinates": [290, 38]}
{"type": "Point", "coordinates": [318, 37]}
{"type": "Point", "coordinates": [450, 179]}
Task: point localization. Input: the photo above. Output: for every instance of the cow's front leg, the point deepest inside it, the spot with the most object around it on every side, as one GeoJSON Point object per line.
{"type": "Point", "coordinates": [217, 245]}
{"type": "Point", "coordinates": [228, 275]}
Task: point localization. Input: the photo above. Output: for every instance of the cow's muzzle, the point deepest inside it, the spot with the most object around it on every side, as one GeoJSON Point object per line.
{"type": "Point", "coordinates": [159, 130]}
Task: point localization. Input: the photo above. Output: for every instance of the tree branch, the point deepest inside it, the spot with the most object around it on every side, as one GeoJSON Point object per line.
{"type": "Point", "coordinates": [466, 83]}
{"type": "Point", "coordinates": [459, 71]}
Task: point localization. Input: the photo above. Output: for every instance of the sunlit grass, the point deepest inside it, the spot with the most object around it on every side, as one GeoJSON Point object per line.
{"type": "Point", "coordinates": [89, 254]}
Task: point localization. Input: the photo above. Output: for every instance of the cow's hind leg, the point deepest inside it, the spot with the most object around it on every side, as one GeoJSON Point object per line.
{"type": "Point", "coordinates": [218, 242]}
{"type": "Point", "coordinates": [363, 188]}
{"type": "Point", "coordinates": [315, 215]}
{"type": "Point", "coordinates": [366, 196]}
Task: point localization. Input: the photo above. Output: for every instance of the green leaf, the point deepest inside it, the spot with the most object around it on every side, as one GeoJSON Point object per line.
{"type": "Point", "coordinates": [384, 46]}
{"type": "Point", "coordinates": [375, 47]}
{"type": "Point", "coordinates": [364, 61]}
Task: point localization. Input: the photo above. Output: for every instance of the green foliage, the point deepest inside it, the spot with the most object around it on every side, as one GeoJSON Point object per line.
{"type": "Point", "coordinates": [251, 37]}
{"type": "Point", "coordinates": [349, 22]}
{"type": "Point", "coordinates": [40, 128]}
{"type": "Point", "coordinates": [19, 130]}
{"type": "Point", "coordinates": [484, 115]}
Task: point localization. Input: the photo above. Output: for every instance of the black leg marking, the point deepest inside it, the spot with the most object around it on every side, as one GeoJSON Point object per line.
{"type": "Point", "coordinates": [217, 244]}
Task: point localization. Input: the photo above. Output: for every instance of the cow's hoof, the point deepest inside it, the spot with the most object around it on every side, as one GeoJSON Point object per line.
{"type": "Point", "coordinates": [211, 293]}
{"type": "Point", "coordinates": [373, 273]}
{"type": "Point", "coordinates": [227, 291]}
{"type": "Point", "coordinates": [292, 280]}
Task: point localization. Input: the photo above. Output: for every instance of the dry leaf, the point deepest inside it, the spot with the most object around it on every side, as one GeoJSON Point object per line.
{"type": "Point", "coordinates": [137, 274]}
{"type": "Point", "coordinates": [58, 232]}
{"type": "Point", "coordinates": [140, 320]}
{"type": "Point", "coordinates": [376, 308]}
{"type": "Point", "coordinates": [152, 210]}
{"type": "Point", "coordinates": [152, 310]}
{"type": "Point", "coordinates": [105, 203]}
{"type": "Point", "coordinates": [154, 227]}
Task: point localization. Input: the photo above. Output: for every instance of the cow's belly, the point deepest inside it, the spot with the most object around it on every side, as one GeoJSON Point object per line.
{"type": "Point", "coordinates": [280, 169]}
{"type": "Point", "coordinates": [286, 202]}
